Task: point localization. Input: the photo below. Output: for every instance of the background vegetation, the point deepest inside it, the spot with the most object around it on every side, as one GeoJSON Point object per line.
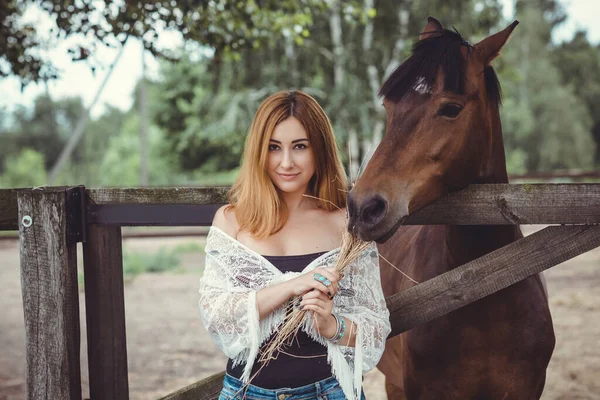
{"type": "Point", "coordinates": [237, 53]}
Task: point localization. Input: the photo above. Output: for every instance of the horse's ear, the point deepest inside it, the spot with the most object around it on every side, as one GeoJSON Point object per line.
{"type": "Point", "coordinates": [489, 48]}
{"type": "Point", "coordinates": [433, 27]}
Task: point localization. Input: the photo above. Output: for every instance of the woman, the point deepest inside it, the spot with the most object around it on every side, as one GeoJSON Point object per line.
{"type": "Point", "coordinates": [278, 239]}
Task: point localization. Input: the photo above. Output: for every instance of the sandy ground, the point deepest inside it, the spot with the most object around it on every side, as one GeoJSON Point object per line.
{"type": "Point", "coordinates": [168, 348]}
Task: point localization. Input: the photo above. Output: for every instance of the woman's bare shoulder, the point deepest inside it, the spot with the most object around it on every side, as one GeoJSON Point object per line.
{"type": "Point", "coordinates": [226, 221]}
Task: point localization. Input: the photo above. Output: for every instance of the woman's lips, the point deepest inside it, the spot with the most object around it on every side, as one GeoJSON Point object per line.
{"type": "Point", "coordinates": [288, 177]}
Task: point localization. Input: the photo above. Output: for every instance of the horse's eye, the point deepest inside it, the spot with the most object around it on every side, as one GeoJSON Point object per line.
{"type": "Point", "coordinates": [450, 110]}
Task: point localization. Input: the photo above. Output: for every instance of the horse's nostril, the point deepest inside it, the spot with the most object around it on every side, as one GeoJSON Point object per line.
{"type": "Point", "coordinates": [374, 210]}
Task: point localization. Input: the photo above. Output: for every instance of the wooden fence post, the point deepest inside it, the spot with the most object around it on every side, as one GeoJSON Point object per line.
{"type": "Point", "coordinates": [50, 296]}
{"type": "Point", "coordinates": [105, 313]}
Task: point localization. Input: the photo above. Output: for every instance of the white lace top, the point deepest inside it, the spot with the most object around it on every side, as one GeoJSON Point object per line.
{"type": "Point", "coordinates": [234, 273]}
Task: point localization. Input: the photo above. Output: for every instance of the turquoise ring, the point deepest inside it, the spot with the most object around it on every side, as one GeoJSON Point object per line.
{"type": "Point", "coordinates": [322, 279]}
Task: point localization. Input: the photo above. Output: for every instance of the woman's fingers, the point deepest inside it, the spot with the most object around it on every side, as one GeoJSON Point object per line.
{"type": "Point", "coordinates": [315, 294]}
{"type": "Point", "coordinates": [317, 310]}
{"type": "Point", "coordinates": [332, 276]}
{"type": "Point", "coordinates": [324, 304]}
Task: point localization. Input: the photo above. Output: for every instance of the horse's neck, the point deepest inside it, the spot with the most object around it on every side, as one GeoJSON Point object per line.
{"type": "Point", "coordinates": [493, 168]}
{"type": "Point", "coordinates": [464, 243]}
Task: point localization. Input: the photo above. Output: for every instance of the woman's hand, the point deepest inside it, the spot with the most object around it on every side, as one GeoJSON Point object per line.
{"type": "Point", "coordinates": [306, 282]}
{"type": "Point", "coordinates": [321, 305]}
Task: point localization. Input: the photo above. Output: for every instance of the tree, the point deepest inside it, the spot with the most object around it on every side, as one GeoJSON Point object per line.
{"type": "Point", "coordinates": [342, 63]}
{"type": "Point", "coordinates": [225, 26]}
{"type": "Point", "coordinates": [578, 62]}
{"type": "Point", "coordinates": [45, 128]}
{"type": "Point", "coordinates": [23, 169]}
{"type": "Point", "coordinates": [546, 126]}
{"type": "Point", "coordinates": [120, 163]}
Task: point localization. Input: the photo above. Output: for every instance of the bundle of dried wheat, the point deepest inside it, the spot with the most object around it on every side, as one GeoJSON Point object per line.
{"type": "Point", "coordinates": [350, 250]}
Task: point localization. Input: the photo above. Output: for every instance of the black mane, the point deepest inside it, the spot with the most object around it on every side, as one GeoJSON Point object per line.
{"type": "Point", "coordinates": [440, 50]}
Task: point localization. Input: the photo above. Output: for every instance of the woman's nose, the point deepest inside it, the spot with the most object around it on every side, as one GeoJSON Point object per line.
{"type": "Point", "coordinates": [287, 160]}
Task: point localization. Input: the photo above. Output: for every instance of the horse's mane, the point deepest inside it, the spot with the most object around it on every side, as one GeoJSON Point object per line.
{"type": "Point", "coordinates": [439, 50]}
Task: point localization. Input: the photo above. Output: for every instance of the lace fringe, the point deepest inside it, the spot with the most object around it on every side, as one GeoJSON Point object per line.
{"type": "Point", "coordinates": [259, 332]}
{"type": "Point", "coordinates": [351, 385]}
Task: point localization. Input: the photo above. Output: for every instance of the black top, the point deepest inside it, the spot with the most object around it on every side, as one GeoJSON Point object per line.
{"type": "Point", "coordinates": [304, 360]}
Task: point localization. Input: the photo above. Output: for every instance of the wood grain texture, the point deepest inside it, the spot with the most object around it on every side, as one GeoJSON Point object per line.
{"type": "Point", "coordinates": [499, 204]}
{"type": "Point", "coordinates": [505, 204]}
{"type": "Point", "coordinates": [105, 313]}
{"type": "Point", "coordinates": [159, 195]}
{"type": "Point", "coordinates": [206, 389]}
{"type": "Point", "coordinates": [50, 297]}
{"type": "Point", "coordinates": [489, 274]}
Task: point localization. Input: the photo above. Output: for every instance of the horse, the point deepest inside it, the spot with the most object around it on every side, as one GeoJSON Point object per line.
{"type": "Point", "coordinates": [444, 133]}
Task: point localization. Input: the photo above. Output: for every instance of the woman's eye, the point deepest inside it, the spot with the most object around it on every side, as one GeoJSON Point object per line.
{"type": "Point", "coordinates": [450, 110]}
{"type": "Point", "coordinates": [273, 147]}
{"type": "Point", "coordinates": [300, 146]}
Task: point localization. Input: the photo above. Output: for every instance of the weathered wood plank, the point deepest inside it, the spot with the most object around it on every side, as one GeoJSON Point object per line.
{"type": "Point", "coordinates": [50, 297]}
{"type": "Point", "coordinates": [501, 204]}
{"type": "Point", "coordinates": [160, 195]}
{"type": "Point", "coordinates": [8, 210]}
{"type": "Point", "coordinates": [206, 389]}
{"type": "Point", "coordinates": [105, 313]}
{"type": "Point", "coordinates": [489, 274]}
{"type": "Point", "coordinates": [505, 204]}
{"type": "Point", "coordinates": [476, 205]}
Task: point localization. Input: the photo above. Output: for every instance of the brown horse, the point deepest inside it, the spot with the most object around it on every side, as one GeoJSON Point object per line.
{"type": "Point", "coordinates": [443, 134]}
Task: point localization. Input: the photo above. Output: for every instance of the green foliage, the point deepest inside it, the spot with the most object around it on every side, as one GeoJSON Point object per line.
{"type": "Point", "coordinates": [45, 128]}
{"type": "Point", "coordinates": [227, 26]}
{"type": "Point", "coordinates": [201, 107]}
{"type": "Point", "coordinates": [205, 129]}
{"type": "Point", "coordinates": [161, 261]}
{"type": "Point", "coordinates": [120, 164]}
{"type": "Point", "coordinates": [25, 169]}
{"type": "Point", "coordinates": [544, 121]}
{"type": "Point", "coordinates": [188, 247]}
{"type": "Point", "coordinates": [206, 105]}
{"type": "Point", "coordinates": [579, 65]}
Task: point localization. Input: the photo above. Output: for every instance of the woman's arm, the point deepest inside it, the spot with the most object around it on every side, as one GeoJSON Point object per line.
{"type": "Point", "coordinates": [272, 297]}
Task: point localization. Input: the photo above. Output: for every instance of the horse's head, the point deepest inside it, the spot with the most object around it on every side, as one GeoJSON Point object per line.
{"type": "Point", "coordinates": [443, 131]}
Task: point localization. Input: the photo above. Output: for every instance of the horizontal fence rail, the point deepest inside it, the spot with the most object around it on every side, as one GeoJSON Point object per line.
{"type": "Point", "coordinates": [499, 204]}
{"type": "Point", "coordinates": [488, 274]}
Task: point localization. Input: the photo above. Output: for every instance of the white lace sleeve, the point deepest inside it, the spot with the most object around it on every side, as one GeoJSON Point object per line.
{"type": "Point", "coordinates": [228, 309]}
{"type": "Point", "coordinates": [228, 314]}
{"type": "Point", "coordinates": [360, 299]}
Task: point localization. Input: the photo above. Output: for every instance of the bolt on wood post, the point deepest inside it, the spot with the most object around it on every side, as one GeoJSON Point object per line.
{"type": "Point", "coordinates": [50, 296]}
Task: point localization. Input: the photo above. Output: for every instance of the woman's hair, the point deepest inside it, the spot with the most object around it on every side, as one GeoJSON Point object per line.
{"type": "Point", "coordinates": [258, 205]}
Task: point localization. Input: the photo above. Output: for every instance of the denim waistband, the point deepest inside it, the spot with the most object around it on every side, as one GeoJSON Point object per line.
{"type": "Point", "coordinates": [310, 391]}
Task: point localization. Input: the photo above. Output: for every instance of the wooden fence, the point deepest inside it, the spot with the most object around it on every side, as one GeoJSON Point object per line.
{"type": "Point", "coordinates": [52, 220]}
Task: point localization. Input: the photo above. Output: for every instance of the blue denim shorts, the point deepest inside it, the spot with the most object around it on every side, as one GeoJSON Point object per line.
{"type": "Point", "coordinates": [327, 389]}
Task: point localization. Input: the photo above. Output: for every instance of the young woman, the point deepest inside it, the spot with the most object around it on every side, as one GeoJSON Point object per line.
{"type": "Point", "coordinates": [278, 239]}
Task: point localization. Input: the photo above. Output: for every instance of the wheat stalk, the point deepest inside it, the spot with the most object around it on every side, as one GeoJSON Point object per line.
{"type": "Point", "coordinates": [350, 250]}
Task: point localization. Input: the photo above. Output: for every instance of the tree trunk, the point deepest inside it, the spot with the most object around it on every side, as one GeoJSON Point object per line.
{"type": "Point", "coordinates": [335, 25]}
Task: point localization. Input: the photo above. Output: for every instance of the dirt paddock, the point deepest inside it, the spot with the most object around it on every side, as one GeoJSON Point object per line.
{"type": "Point", "coordinates": [168, 348]}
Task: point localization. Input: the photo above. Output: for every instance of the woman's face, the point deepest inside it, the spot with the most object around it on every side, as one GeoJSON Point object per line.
{"type": "Point", "coordinates": [290, 162]}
